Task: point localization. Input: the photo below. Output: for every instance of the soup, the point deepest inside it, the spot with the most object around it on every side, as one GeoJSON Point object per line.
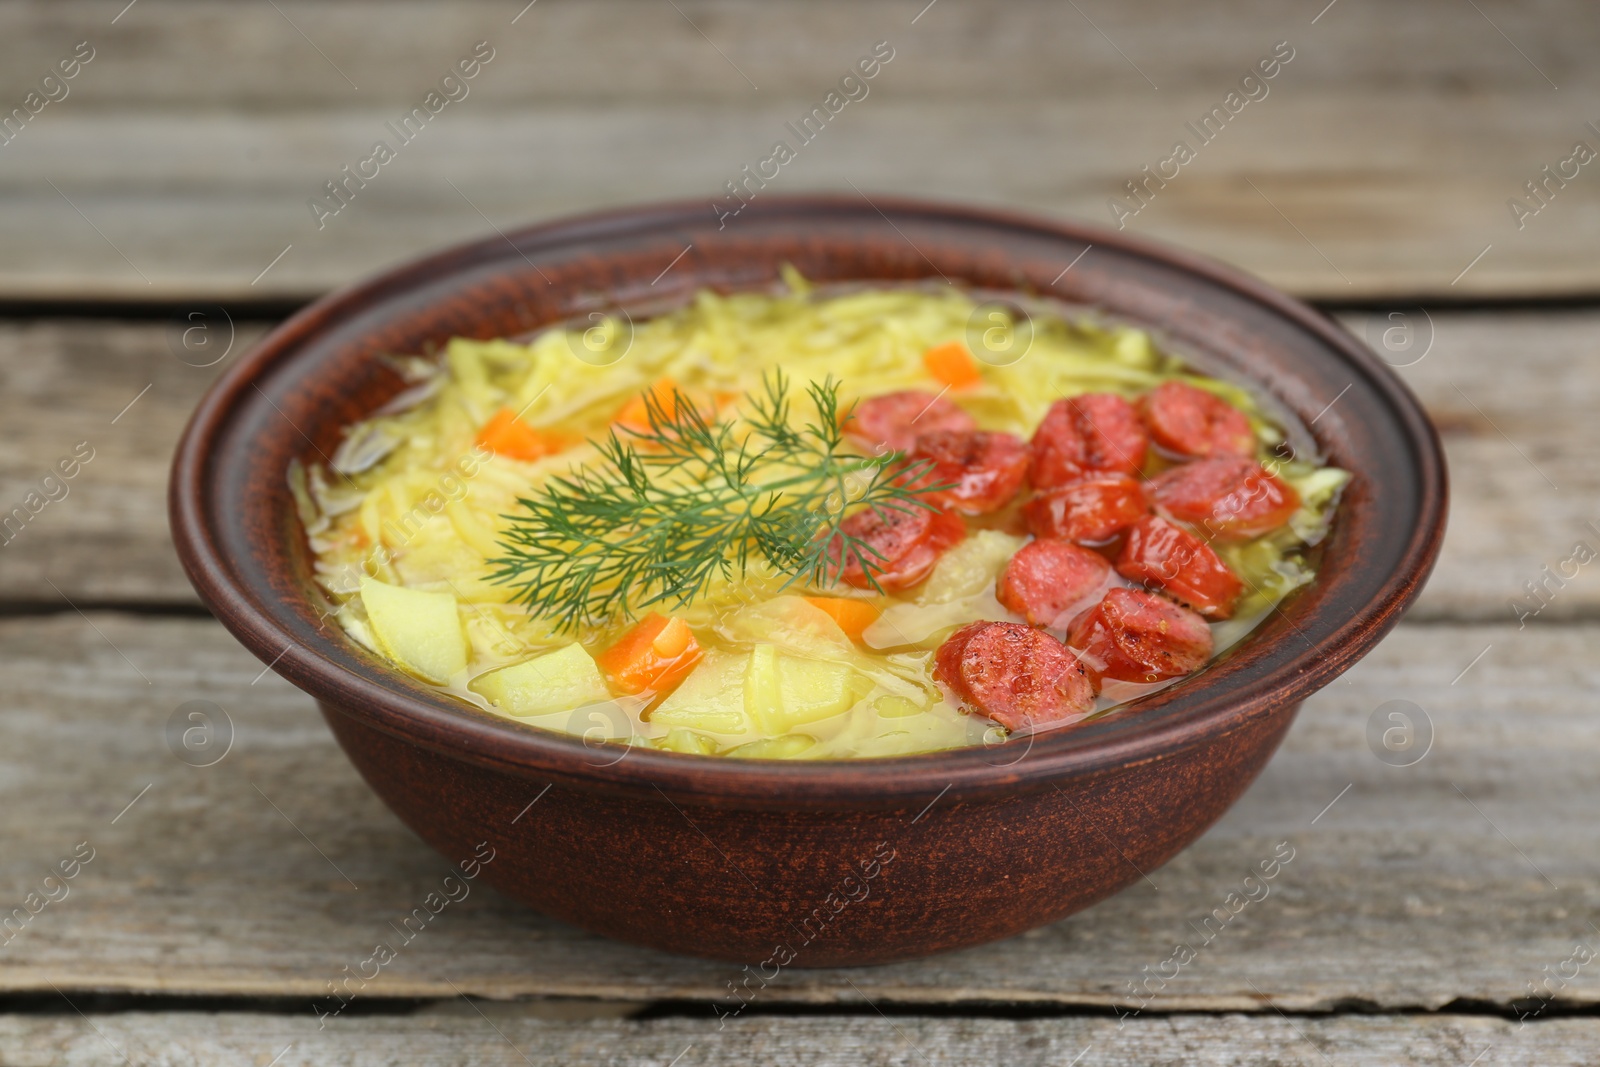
{"type": "Point", "coordinates": [810, 524]}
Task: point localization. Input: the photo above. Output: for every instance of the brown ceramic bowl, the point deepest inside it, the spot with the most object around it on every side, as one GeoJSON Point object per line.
{"type": "Point", "coordinates": [804, 863]}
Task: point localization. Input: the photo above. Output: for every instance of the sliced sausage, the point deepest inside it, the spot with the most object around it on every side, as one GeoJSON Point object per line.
{"type": "Point", "coordinates": [947, 658]}
{"type": "Point", "coordinates": [1091, 511]}
{"type": "Point", "coordinates": [1082, 435]}
{"type": "Point", "coordinates": [1046, 579]}
{"type": "Point", "coordinates": [899, 547]}
{"type": "Point", "coordinates": [1020, 677]}
{"type": "Point", "coordinates": [1192, 422]}
{"type": "Point", "coordinates": [1230, 497]}
{"type": "Point", "coordinates": [891, 422]}
{"type": "Point", "coordinates": [1172, 559]}
{"type": "Point", "coordinates": [1132, 636]}
{"type": "Point", "coordinates": [985, 470]}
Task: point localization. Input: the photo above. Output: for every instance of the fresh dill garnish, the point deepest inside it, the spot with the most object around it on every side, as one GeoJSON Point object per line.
{"type": "Point", "coordinates": [669, 508]}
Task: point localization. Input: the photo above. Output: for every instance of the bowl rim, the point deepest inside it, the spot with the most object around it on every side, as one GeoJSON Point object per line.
{"type": "Point", "coordinates": [440, 724]}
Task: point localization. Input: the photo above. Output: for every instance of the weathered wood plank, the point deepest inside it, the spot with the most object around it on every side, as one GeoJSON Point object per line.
{"type": "Point", "coordinates": [1380, 162]}
{"type": "Point", "coordinates": [504, 1034]}
{"type": "Point", "coordinates": [1512, 394]}
{"type": "Point", "coordinates": [232, 879]}
{"type": "Point", "coordinates": [1527, 373]}
{"type": "Point", "coordinates": [256, 60]}
{"type": "Point", "coordinates": [65, 391]}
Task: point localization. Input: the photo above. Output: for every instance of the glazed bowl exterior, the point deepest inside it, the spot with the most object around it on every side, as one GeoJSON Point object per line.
{"type": "Point", "coordinates": [774, 864]}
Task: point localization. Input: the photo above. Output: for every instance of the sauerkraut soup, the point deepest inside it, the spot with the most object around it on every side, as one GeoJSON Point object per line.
{"type": "Point", "coordinates": [810, 524]}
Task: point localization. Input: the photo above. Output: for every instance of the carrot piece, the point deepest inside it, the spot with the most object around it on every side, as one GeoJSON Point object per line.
{"type": "Point", "coordinates": [952, 364]}
{"type": "Point", "coordinates": [506, 435]}
{"type": "Point", "coordinates": [852, 615]}
{"type": "Point", "coordinates": [635, 414]}
{"type": "Point", "coordinates": [673, 640]}
{"type": "Point", "coordinates": [655, 654]}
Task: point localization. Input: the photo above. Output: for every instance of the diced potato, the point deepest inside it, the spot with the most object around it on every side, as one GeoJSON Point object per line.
{"type": "Point", "coordinates": [763, 689]}
{"type": "Point", "coordinates": [786, 747]}
{"type": "Point", "coordinates": [782, 692]}
{"type": "Point", "coordinates": [711, 698]}
{"type": "Point", "coordinates": [418, 630]}
{"type": "Point", "coordinates": [814, 690]}
{"type": "Point", "coordinates": [556, 681]}
{"type": "Point", "coordinates": [678, 739]}
{"type": "Point", "coordinates": [970, 567]}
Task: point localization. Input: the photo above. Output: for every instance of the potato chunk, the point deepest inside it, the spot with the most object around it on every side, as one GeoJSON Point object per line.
{"type": "Point", "coordinates": [782, 692]}
{"type": "Point", "coordinates": [710, 699]}
{"type": "Point", "coordinates": [420, 631]}
{"type": "Point", "coordinates": [563, 680]}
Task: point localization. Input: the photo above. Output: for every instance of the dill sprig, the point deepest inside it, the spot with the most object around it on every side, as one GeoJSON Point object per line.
{"type": "Point", "coordinates": [667, 509]}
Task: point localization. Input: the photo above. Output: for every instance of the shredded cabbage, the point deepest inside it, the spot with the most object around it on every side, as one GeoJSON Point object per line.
{"type": "Point", "coordinates": [415, 501]}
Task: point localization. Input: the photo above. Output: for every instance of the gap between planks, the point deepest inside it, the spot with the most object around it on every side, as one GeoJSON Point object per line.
{"type": "Point", "coordinates": [489, 1034]}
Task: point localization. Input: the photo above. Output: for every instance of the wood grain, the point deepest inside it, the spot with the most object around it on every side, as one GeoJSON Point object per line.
{"type": "Point", "coordinates": [164, 52]}
{"type": "Point", "coordinates": [1511, 392]}
{"type": "Point", "coordinates": [504, 1034]}
{"type": "Point", "coordinates": [64, 384]}
{"type": "Point", "coordinates": [1379, 164]}
{"type": "Point", "coordinates": [273, 870]}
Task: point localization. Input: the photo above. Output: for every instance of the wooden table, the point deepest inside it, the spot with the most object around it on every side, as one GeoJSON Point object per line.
{"type": "Point", "coordinates": [1442, 913]}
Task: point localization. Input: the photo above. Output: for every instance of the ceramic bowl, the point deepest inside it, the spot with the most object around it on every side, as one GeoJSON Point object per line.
{"type": "Point", "coordinates": [777, 864]}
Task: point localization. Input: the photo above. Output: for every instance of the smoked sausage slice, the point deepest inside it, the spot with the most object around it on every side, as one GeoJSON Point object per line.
{"type": "Point", "coordinates": [892, 422]}
{"type": "Point", "coordinates": [1192, 422]}
{"type": "Point", "coordinates": [1092, 511]}
{"type": "Point", "coordinates": [902, 546]}
{"type": "Point", "coordinates": [1082, 435]}
{"type": "Point", "coordinates": [1170, 558]}
{"type": "Point", "coordinates": [1132, 636]}
{"type": "Point", "coordinates": [1046, 578]}
{"type": "Point", "coordinates": [985, 470]}
{"type": "Point", "coordinates": [1020, 677]}
{"type": "Point", "coordinates": [1228, 497]}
